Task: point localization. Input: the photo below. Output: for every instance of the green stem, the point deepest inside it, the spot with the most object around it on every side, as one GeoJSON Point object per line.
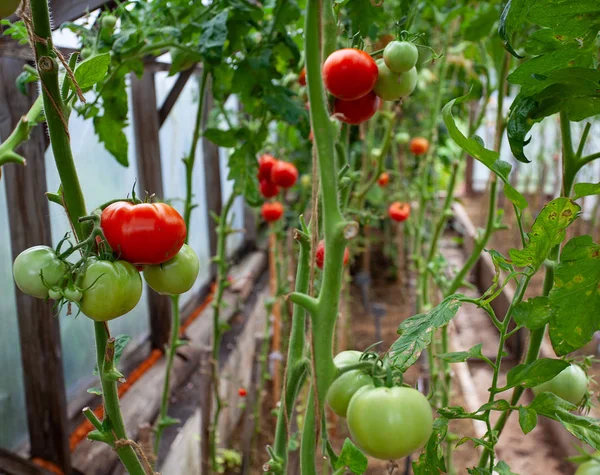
{"type": "Point", "coordinates": [21, 134]}
{"type": "Point", "coordinates": [221, 258]}
{"type": "Point", "coordinates": [309, 438]}
{"type": "Point", "coordinates": [74, 204]}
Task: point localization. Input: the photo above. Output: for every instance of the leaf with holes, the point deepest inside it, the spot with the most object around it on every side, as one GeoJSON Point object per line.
{"type": "Point", "coordinates": [431, 461]}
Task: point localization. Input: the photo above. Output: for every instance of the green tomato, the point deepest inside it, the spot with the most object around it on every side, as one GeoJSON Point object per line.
{"type": "Point", "coordinates": [176, 276]}
{"type": "Point", "coordinates": [402, 137]}
{"type": "Point", "coordinates": [591, 467]}
{"type": "Point", "coordinates": [35, 261]}
{"type": "Point", "coordinates": [86, 52]}
{"type": "Point", "coordinates": [112, 289]}
{"type": "Point", "coordinates": [391, 86]}
{"type": "Point", "coordinates": [73, 294]}
{"type": "Point", "coordinates": [306, 181]}
{"type": "Point", "coordinates": [570, 384]}
{"type": "Point", "coordinates": [8, 7]}
{"type": "Point", "coordinates": [400, 56]}
{"type": "Point", "coordinates": [109, 22]}
{"type": "Point", "coordinates": [55, 294]}
{"type": "Point", "coordinates": [389, 423]}
{"type": "Point", "coordinates": [346, 385]}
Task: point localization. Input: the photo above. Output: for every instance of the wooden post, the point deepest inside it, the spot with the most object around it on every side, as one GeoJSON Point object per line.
{"type": "Point", "coordinates": [212, 179]}
{"type": "Point", "coordinates": [146, 128]}
{"type": "Point", "coordinates": [39, 331]}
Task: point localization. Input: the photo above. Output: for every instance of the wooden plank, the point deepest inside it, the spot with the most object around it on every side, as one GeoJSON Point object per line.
{"type": "Point", "coordinates": [39, 330]}
{"type": "Point", "coordinates": [146, 128]}
{"type": "Point", "coordinates": [174, 94]}
{"type": "Point", "coordinates": [12, 464]}
{"type": "Point", "coordinates": [212, 179]}
{"type": "Point", "coordinates": [69, 10]}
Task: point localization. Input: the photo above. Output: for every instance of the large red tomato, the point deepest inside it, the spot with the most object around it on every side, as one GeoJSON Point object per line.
{"type": "Point", "coordinates": [148, 233]}
{"type": "Point", "coordinates": [399, 211]}
{"type": "Point", "coordinates": [357, 111]}
{"type": "Point", "coordinates": [349, 74]}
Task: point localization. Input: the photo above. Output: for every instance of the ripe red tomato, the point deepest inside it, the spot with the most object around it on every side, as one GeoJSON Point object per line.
{"type": "Point", "coordinates": [357, 111]}
{"type": "Point", "coordinates": [242, 392]}
{"type": "Point", "coordinates": [399, 211]}
{"type": "Point", "coordinates": [383, 179]}
{"type": "Point", "coordinates": [349, 74]}
{"type": "Point", "coordinates": [419, 145]}
{"type": "Point", "coordinates": [265, 165]}
{"type": "Point", "coordinates": [284, 174]}
{"type": "Point", "coordinates": [320, 255]}
{"type": "Point", "coordinates": [268, 189]}
{"type": "Point", "coordinates": [272, 211]}
{"type": "Point", "coordinates": [302, 77]}
{"type": "Point", "coordinates": [148, 233]}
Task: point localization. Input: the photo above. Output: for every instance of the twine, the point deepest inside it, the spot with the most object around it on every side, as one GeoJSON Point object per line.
{"type": "Point", "coordinates": [122, 443]}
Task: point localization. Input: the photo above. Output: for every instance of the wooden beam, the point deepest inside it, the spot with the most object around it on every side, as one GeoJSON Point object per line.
{"type": "Point", "coordinates": [174, 94]}
{"type": "Point", "coordinates": [39, 331]}
{"type": "Point", "coordinates": [146, 128]}
{"type": "Point", "coordinates": [212, 179]}
{"type": "Point", "coordinates": [69, 10]}
{"type": "Point", "coordinates": [12, 464]}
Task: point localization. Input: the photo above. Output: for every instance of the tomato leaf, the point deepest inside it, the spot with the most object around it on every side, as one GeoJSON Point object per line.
{"type": "Point", "coordinates": [242, 170]}
{"type": "Point", "coordinates": [352, 458]}
{"type": "Point", "coordinates": [586, 429]}
{"type": "Point", "coordinates": [586, 189]}
{"type": "Point", "coordinates": [460, 356]}
{"type": "Point", "coordinates": [533, 313]}
{"type": "Point", "coordinates": [121, 342]}
{"type": "Point", "coordinates": [281, 104]}
{"type": "Point", "coordinates": [547, 231]}
{"type": "Point", "coordinates": [213, 37]}
{"type": "Point", "coordinates": [431, 461]}
{"type": "Point", "coordinates": [91, 71]}
{"type": "Point", "coordinates": [115, 141]}
{"type": "Point", "coordinates": [502, 468]}
{"type": "Point", "coordinates": [222, 138]}
{"type": "Point", "coordinates": [527, 419]}
{"type": "Point", "coordinates": [416, 332]}
{"type": "Point", "coordinates": [475, 148]}
{"type": "Point", "coordinates": [497, 405]}
{"type": "Point", "coordinates": [575, 297]}
{"type": "Point", "coordinates": [95, 391]}
{"type": "Point", "coordinates": [534, 374]}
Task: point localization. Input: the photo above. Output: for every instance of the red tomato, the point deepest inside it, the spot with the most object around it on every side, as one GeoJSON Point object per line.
{"type": "Point", "coordinates": [349, 74]}
{"type": "Point", "coordinates": [320, 255]}
{"type": "Point", "coordinates": [419, 145]}
{"type": "Point", "coordinates": [268, 189]}
{"type": "Point", "coordinates": [265, 165]}
{"type": "Point", "coordinates": [383, 179]}
{"type": "Point", "coordinates": [148, 233]}
{"type": "Point", "coordinates": [358, 111]}
{"type": "Point", "coordinates": [284, 174]}
{"type": "Point", "coordinates": [242, 392]}
{"type": "Point", "coordinates": [272, 211]}
{"type": "Point", "coordinates": [302, 77]}
{"type": "Point", "coordinates": [399, 211]}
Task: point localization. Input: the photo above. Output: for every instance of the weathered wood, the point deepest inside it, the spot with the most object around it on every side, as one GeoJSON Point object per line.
{"type": "Point", "coordinates": [39, 330]}
{"type": "Point", "coordinates": [244, 275]}
{"type": "Point", "coordinates": [146, 127]}
{"type": "Point", "coordinates": [173, 95]}
{"type": "Point", "coordinates": [12, 464]}
{"type": "Point", "coordinates": [69, 10]}
{"type": "Point", "coordinates": [184, 456]}
{"type": "Point", "coordinates": [212, 179]}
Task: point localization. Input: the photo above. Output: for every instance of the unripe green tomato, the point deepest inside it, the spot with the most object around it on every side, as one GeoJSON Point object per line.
{"type": "Point", "coordinates": [73, 294]}
{"type": "Point", "coordinates": [570, 384]}
{"type": "Point", "coordinates": [86, 53]}
{"type": "Point", "coordinates": [174, 277]}
{"type": "Point", "coordinates": [400, 56]}
{"type": "Point", "coordinates": [8, 7]}
{"type": "Point", "coordinates": [345, 386]}
{"type": "Point", "coordinates": [306, 181]}
{"type": "Point", "coordinates": [591, 467]}
{"type": "Point", "coordinates": [402, 137]}
{"type": "Point", "coordinates": [391, 86]}
{"type": "Point", "coordinates": [55, 294]}
{"type": "Point", "coordinates": [30, 263]}
{"type": "Point", "coordinates": [109, 22]}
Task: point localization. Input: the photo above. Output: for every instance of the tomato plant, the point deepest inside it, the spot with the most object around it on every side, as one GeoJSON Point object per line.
{"type": "Point", "coordinates": [356, 111]}
{"type": "Point", "coordinates": [347, 384]}
{"type": "Point", "coordinates": [400, 56]}
{"type": "Point", "coordinates": [392, 86]}
{"type": "Point", "coordinates": [38, 269]}
{"type": "Point", "coordinates": [347, 63]}
{"type": "Point", "coordinates": [177, 275]}
{"type": "Point", "coordinates": [398, 211]}
{"type": "Point", "coordinates": [571, 384]}
{"type": "Point", "coordinates": [284, 174]}
{"type": "Point", "coordinates": [129, 227]}
{"type": "Point", "coordinates": [272, 211]}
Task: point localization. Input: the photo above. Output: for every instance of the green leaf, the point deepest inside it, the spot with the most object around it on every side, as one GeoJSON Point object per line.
{"type": "Point", "coordinates": [547, 231]}
{"type": "Point", "coordinates": [120, 343]}
{"type": "Point", "coordinates": [25, 78]}
{"type": "Point", "coordinates": [454, 412]}
{"type": "Point", "coordinates": [431, 461]}
{"type": "Point", "coordinates": [460, 356]}
{"type": "Point", "coordinates": [527, 419]}
{"type": "Point", "coordinates": [497, 405]}
{"type": "Point", "coordinates": [586, 429]}
{"type": "Point", "coordinates": [352, 458]}
{"type": "Point", "coordinates": [213, 37]}
{"type": "Point", "coordinates": [96, 391]}
{"type": "Point", "coordinates": [112, 136]}
{"type": "Point", "coordinates": [500, 262]}
{"type": "Point", "coordinates": [242, 170]}
{"type": "Point", "coordinates": [487, 157]}
{"type": "Point", "coordinates": [586, 189]}
{"type": "Point", "coordinates": [168, 422]}
{"type": "Point", "coordinates": [280, 103]}
{"type": "Point", "coordinates": [534, 374]}
{"type": "Point", "coordinates": [533, 313]}
{"type": "Point", "coordinates": [416, 332]}
{"type": "Point", "coordinates": [222, 138]}
{"type": "Point", "coordinates": [575, 297]}
{"type": "Point", "coordinates": [502, 468]}
{"type": "Point", "coordinates": [481, 25]}
{"type": "Point", "coordinates": [479, 471]}
{"type": "Point", "coordinates": [91, 71]}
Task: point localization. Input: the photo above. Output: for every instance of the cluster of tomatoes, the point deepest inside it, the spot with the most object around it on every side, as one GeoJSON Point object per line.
{"type": "Point", "coordinates": [387, 423]}
{"type": "Point", "coordinates": [273, 175]}
{"type": "Point", "coordinates": [359, 83]}
{"type": "Point", "coordinates": [148, 237]}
